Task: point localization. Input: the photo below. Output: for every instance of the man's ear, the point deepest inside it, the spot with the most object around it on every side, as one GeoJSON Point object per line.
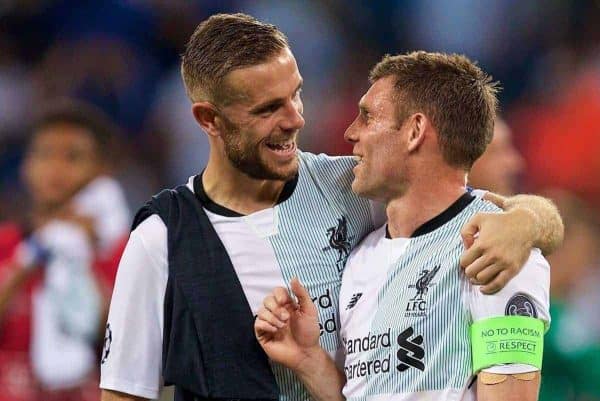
{"type": "Point", "coordinates": [417, 126]}
{"type": "Point", "coordinates": [206, 115]}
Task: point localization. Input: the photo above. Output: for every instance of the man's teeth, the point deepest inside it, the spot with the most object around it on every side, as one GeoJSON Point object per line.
{"type": "Point", "coordinates": [281, 146]}
{"type": "Point", "coordinates": [358, 159]}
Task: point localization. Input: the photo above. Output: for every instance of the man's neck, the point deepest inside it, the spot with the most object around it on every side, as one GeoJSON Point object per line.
{"type": "Point", "coordinates": [421, 203]}
{"type": "Point", "coordinates": [234, 190]}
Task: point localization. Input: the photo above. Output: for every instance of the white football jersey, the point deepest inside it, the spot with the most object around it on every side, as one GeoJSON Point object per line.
{"type": "Point", "coordinates": [308, 235]}
{"type": "Point", "coordinates": [406, 307]}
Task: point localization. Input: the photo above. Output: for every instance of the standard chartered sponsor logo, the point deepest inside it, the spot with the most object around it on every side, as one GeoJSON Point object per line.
{"type": "Point", "coordinates": [372, 366]}
{"type": "Point", "coordinates": [410, 353]}
{"type": "Point", "coordinates": [368, 342]}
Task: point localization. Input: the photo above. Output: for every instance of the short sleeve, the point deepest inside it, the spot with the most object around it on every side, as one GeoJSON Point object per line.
{"type": "Point", "coordinates": [527, 294]}
{"type": "Point", "coordinates": [132, 355]}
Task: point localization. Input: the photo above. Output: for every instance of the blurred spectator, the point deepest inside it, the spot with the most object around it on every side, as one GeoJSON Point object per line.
{"type": "Point", "coordinates": [572, 345]}
{"type": "Point", "coordinates": [499, 168]}
{"type": "Point", "coordinates": [57, 266]}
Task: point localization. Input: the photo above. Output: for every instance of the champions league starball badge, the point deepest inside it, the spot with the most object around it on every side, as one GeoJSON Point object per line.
{"type": "Point", "coordinates": [520, 304]}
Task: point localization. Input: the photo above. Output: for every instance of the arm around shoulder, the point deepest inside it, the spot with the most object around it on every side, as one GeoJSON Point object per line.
{"type": "Point", "coordinates": [545, 220]}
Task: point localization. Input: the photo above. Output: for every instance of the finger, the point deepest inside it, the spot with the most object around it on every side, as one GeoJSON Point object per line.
{"type": "Point", "coordinates": [271, 304]}
{"type": "Point", "coordinates": [470, 255]}
{"type": "Point", "coordinates": [470, 230]}
{"type": "Point", "coordinates": [496, 199]}
{"type": "Point", "coordinates": [488, 274]}
{"type": "Point", "coordinates": [282, 296]}
{"type": "Point", "coordinates": [262, 327]}
{"type": "Point", "coordinates": [304, 300]}
{"type": "Point", "coordinates": [270, 317]}
{"type": "Point", "coordinates": [497, 284]}
{"type": "Point", "coordinates": [476, 267]}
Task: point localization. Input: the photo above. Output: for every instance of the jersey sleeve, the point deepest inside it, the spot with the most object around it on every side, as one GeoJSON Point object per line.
{"type": "Point", "coordinates": [132, 355]}
{"type": "Point", "coordinates": [527, 294]}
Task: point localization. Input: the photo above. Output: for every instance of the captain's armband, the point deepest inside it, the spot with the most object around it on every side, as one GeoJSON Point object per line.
{"type": "Point", "coordinates": [507, 339]}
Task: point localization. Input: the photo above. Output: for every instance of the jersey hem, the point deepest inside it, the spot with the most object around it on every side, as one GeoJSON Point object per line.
{"type": "Point", "coordinates": [128, 387]}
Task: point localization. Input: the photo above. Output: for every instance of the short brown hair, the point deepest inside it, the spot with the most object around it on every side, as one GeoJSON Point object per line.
{"type": "Point", "coordinates": [81, 114]}
{"type": "Point", "coordinates": [458, 97]}
{"type": "Point", "coordinates": [221, 44]}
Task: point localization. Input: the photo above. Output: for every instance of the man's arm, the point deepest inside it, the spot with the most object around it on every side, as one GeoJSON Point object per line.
{"type": "Point", "coordinates": [29, 255]}
{"type": "Point", "coordinates": [132, 350]}
{"type": "Point", "coordinates": [289, 334]}
{"type": "Point", "coordinates": [498, 244]}
{"type": "Point", "coordinates": [513, 376]}
{"type": "Point", "coordinates": [518, 387]}
{"type": "Point", "coordinates": [544, 219]}
{"type": "Point", "coordinates": [109, 395]}
{"type": "Point", "coordinates": [18, 276]}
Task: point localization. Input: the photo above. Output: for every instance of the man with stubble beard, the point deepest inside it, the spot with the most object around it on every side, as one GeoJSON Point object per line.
{"type": "Point", "coordinates": [202, 257]}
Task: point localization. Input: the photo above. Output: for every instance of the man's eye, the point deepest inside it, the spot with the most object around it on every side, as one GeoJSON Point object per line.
{"type": "Point", "coordinates": [269, 109]}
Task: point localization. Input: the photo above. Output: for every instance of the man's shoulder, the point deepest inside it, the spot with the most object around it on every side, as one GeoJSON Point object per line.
{"type": "Point", "coordinates": [482, 205]}
{"type": "Point", "coordinates": [161, 201]}
{"type": "Point", "coordinates": [528, 290]}
{"type": "Point", "coordinates": [324, 161]}
{"type": "Point", "coordinates": [152, 232]}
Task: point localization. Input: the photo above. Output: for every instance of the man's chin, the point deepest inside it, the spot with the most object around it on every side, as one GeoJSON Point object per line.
{"type": "Point", "coordinates": [279, 173]}
{"type": "Point", "coordinates": [282, 171]}
{"type": "Point", "coordinates": [358, 189]}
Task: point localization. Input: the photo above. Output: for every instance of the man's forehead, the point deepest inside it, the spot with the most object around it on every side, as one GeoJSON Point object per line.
{"type": "Point", "coordinates": [379, 95]}
{"type": "Point", "coordinates": [271, 79]}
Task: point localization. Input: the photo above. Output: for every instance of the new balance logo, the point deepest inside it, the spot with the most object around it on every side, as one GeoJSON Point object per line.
{"type": "Point", "coordinates": [412, 346]}
{"type": "Point", "coordinates": [354, 300]}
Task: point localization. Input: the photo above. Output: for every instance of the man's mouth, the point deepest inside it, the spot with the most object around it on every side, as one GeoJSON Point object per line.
{"type": "Point", "coordinates": [282, 146]}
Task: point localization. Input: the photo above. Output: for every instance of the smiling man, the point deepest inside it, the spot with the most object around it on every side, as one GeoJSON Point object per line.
{"type": "Point", "coordinates": [412, 327]}
{"type": "Point", "coordinates": [202, 257]}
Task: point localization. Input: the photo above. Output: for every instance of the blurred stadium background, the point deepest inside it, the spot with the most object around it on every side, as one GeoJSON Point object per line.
{"type": "Point", "coordinates": [123, 57]}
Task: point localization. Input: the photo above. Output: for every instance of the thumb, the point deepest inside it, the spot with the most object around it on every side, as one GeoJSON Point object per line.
{"type": "Point", "coordinates": [496, 199]}
{"type": "Point", "coordinates": [301, 293]}
{"type": "Point", "coordinates": [469, 231]}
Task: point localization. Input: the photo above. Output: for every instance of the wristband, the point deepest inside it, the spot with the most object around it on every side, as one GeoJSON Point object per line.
{"type": "Point", "coordinates": [507, 339]}
{"type": "Point", "coordinates": [30, 254]}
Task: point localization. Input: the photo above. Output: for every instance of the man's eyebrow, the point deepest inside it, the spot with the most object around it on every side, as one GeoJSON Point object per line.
{"type": "Point", "coordinates": [273, 102]}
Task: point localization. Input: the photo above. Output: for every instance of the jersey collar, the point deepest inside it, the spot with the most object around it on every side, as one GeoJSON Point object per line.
{"type": "Point", "coordinates": [208, 204]}
{"type": "Point", "coordinates": [453, 210]}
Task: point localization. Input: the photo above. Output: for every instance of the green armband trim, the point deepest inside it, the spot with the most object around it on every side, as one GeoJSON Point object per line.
{"type": "Point", "coordinates": [507, 339]}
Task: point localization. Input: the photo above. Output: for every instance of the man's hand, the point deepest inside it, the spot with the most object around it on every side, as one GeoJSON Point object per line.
{"type": "Point", "coordinates": [497, 246]}
{"type": "Point", "coordinates": [289, 333]}
{"type": "Point", "coordinates": [287, 330]}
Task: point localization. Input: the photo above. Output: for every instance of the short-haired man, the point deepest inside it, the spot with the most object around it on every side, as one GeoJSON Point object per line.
{"type": "Point", "coordinates": [260, 213]}
{"type": "Point", "coordinates": [412, 326]}
{"type": "Point", "coordinates": [57, 264]}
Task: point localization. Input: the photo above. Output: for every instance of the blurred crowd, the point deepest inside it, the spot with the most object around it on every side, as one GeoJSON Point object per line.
{"type": "Point", "coordinates": [74, 193]}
